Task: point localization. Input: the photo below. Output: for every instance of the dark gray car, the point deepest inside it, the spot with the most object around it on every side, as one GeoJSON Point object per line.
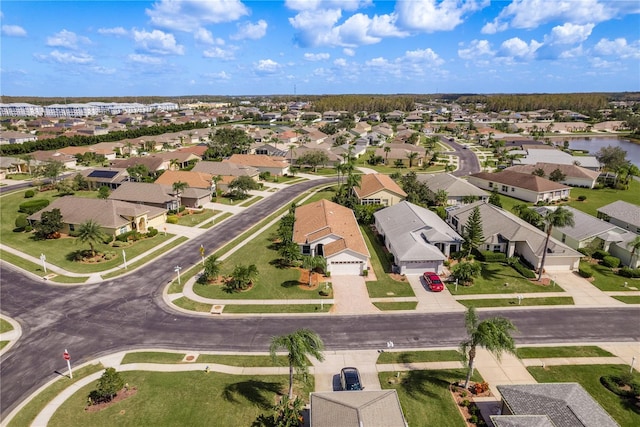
{"type": "Point", "coordinates": [350, 379]}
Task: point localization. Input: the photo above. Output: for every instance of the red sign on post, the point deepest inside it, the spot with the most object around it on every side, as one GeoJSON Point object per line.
{"type": "Point", "coordinates": [66, 355]}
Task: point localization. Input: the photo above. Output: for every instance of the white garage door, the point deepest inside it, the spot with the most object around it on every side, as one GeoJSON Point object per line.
{"type": "Point", "coordinates": [421, 267]}
{"type": "Point", "coordinates": [345, 268]}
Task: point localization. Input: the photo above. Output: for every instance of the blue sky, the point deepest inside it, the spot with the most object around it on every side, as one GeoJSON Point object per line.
{"type": "Point", "coordinates": [233, 47]}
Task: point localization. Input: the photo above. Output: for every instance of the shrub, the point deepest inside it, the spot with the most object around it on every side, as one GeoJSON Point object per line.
{"type": "Point", "coordinates": [109, 255]}
{"type": "Point", "coordinates": [584, 273]}
{"type": "Point", "coordinates": [172, 219]}
{"type": "Point", "coordinates": [473, 419]}
{"type": "Point", "coordinates": [489, 256]}
{"type": "Point", "coordinates": [28, 229]}
{"type": "Point", "coordinates": [181, 208]}
{"type": "Point", "coordinates": [129, 235]}
{"type": "Point", "coordinates": [21, 222]}
{"type": "Point", "coordinates": [582, 198]}
{"type": "Point", "coordinates": [600, 254]}
{"type": "Point", "coordinates": [29, 194]}
{"type": "Point", "coordinates": [611, 261]}
{"type": "Point", "coordinates": [529, 274]}
{"type": "Point", "coordinates": [629, 272]}
{"type": "Point", "coordinates": [465, 403]}
{"type": "Point", "coordinates": [152, 232]}
{"type": "Point", "coordinates": [33, 206]}
{"type": "Point", "coordinates": [120, 244]}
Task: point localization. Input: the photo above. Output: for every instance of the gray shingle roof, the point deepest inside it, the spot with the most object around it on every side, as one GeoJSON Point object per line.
{"type": "Point", "coordinates": [454, 186]}
{"type": "Point", "coordinates": [567, 404]}
{"type": "Point", "coordinates": [224, 169]}
{"type": "Point", "coordinates": [143, 192]}
{"type": "Point", "coordinates": [356, 409]}
{"type": "Point", "coordinates": [624, 211]}
{"type": "Point", "coordinates": [521, 421]}
{"type": "Point", "coordinates": [585, 225]}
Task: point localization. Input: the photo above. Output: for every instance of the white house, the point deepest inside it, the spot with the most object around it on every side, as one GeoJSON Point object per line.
{"type": "Point", "coordinates": [523, 186]}
{"type": "Point", "coordinates": [575, 176]}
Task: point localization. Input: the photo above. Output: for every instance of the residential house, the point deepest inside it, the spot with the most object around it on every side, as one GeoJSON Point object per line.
{"type": "Point", "coordinates": [327, 229]}
{"type": "Point", "coordinates": [575, 176]}
{"type": "Point", "coordinates": [177, 159]}
{"type": "Point", "coordinates": [523, 186]}
{"type": "Point", "coordinates": [115, 217]}
{"type": "Point", "coordinates": [99, 177]}
{"type": "Point", "coordinates": [267, 150]}
{"type": "Point", "coordinates": [402, 152]}
{"type": "Point", "coordinates": [12, 165]}
{"type": "Point", "coordinates": [504, 232]}
{"type": "Point", "coordinates": [41, 157]}
{"type": "Point", "coordinates": [157, 195]}
{"type": "Point", "coordinates": [226, 171]}
{"type": "Point", "coordinates": [294, 154]}
{"type": "Point", "coordinates": [623, 214]}
{"type": "Point", "coordinates": [378, 189]}
{"type": "Point", "coordinates": [458, 190]}
{"type": "Point", "coordinates": [198, 190]}
{"type": "Point", "coordinates": [356, 409]}
{"type": "Point", "coordinates": [11, 137]}
{"type": "Point", "coordinates": [418, 239]}
{"type": "Point", "coordinates": [542, 155]}
{"type": "Point", "coordinates": [550, 404]}
{"type": "Point", "coordinates": [153, 164]}
{"type": "Point", "coordinates": [74, 151]}
{"type": "Point", "coordinates": [198, 150]}
{"type": "Point", "coordinates": [275, 166]}
{"type": "Point", "coordinates": [591, 231]}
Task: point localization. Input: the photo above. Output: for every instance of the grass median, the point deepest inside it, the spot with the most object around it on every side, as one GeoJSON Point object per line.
{"type": "Point", "coordinates": [513, 302]}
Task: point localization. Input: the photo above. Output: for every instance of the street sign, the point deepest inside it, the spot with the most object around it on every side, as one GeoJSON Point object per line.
{"type": "Point", "coordinates": [66, 355]}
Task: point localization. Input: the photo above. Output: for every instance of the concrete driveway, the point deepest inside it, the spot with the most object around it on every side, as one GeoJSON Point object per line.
{"type": "Point", "coordinates": [429, 301]}
{"type": "Point", "coordinates": [351, 296]}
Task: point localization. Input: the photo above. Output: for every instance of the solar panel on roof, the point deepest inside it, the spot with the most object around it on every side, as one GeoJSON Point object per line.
{"type": "Point", "coordinates": [103, 174]}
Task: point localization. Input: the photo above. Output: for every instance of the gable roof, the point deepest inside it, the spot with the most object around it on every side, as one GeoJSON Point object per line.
{"type": "Point", "coordinates": [624, 211]}
{"type": "Point", "coordinates": [454, 186]}
{"type": "Point", "coordinates": [521, 180]}
{"type": "Point", "coordinates": [566, 404]}
{"type": "Point", "coordinates": [257, 160]}
{"type": "Point", "coordinates": [143, 192]}
{"type": "Point", "coordinates": [193, 179]}
{"type": "Point", "coordinates": [585, 224]}
{"type": "Point", "coordinates": [356, 409]}
{"type": "Point", "coordinates": [225, 169]}
{"type": "Point", "coordinates": [539, 154]}
{"type": "Point", "coordinates": [318, 219]}
{"type": "Point", "coordinates": [375, 182]}
{"type": "Point", "coordinates": [107, 213]}
{"type": "Point", "coordinates": [571, 170]}
{"type": "Point", "coordinates": [522, 421]}
{"type": "Point", "coordinates": [152, 163]}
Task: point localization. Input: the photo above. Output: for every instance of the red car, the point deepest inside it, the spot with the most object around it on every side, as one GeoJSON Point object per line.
{"type": "Point", "coordinates": [433, 280]}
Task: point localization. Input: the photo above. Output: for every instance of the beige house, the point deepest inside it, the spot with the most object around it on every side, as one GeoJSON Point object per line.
{"type": "Point", "coordinates": [523, 186]}
{"type": "Point", "coordinates": [327, 229]}
{"type": "Point", "coordinates": [274, 165]}
{"type": "Point", "coordinates": [574, 175]}
{"type": "Point", "coordinates": [378, 189]}
{"type": "Point", "coordinates": [115, 217]}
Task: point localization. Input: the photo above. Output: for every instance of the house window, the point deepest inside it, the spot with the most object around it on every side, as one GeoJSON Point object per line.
{"type": "Point", "coordinates": [491, 185]}
{"type": "Point", "coordinates": [370, 202]}
{"type": "Point", "coordinates": [122, 230]}
{"type": "Point", "coordinates": [72, 227]}
{"type": "Point", "coordinates": [505, 188]}
{"type": "Point", "coordinates": [513, 189]}
{"type": "Point", "coordinates": [564, 237]}
{"type": "Point", "coordinates": [497, 248]}
{"type": "Point", "coordinates": [306, 250]}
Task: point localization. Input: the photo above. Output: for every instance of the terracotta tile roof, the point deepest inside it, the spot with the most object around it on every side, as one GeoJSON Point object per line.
{"type": "Point", "coordinates": [521, 180]}
{"type": "Point", "coordinates": [375, 182]}
{"type": "Point", "coordinates": [198, 150]}
{"type": "Point", "coordinates": [193, 179]}
{"type": "Point", "coordinates": [257, 160]}
{"type": "Point", "coordinates": [321, 218]}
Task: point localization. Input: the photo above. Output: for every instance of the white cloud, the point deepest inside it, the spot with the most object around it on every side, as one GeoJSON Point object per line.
{"type": "Point", "coordinates": [424, 56]}
{"type": "Point", "coordinates": [316, 56]}
{"type": "Point", "coordinates": [222, 75]}
{"type": "Point", "coordinates": [187, 15]}
{"type": "Point", "coordinates": [518, 48]}
{"type": "Point", "coordinates": [315, 27]}
{"type": "Point", "coordinates": [157, 42]}
{"type": "Point", "coordinates": [301, 5]}
{"type": "Point", "coordinates": [67, 39]}
{"type": "Point", "coordinates": [476, 50]}
{"type": "Point", "coordinates": [203, 36]}
{"type": "Point", "coordinates": [348, 51]}
{"type": "Point", "coordinates": [219, 53]}
{"type": "Point", "coordinates": [533, 13]}
{"type": "Point", "coordinates": [576, 52]}
{"type": "Point", "coordinates": [251, 31]}
{"type": "Point", "coordinates": [13, 31]}
{"type": "Point", "coordinates": [145, 59]}
{"type": "Point", "coordinates": [267, 66]}
{"type": "Point", "coordinates": [340, 62]}
{"type": "Point", "coordinates": [103, 70]}
{"type": "Point", "coordinates": [569, 34]}
{"type": "Point", "coordinates": [116, 31]}
{"type": "Point", "coordinates": [618, 47]}
{"type": "Point", "coordinates": [377, 62]}
{"type": "Point", "coordinates": [65, 57]}
{"type": "Point", "coordinates": [431, 15]}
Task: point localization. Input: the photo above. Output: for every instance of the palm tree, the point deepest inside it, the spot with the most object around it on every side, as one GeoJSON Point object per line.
{"type": "Point", "coordinates": [298, 344]}
{"type": "Point", "coordinates": [387, 150]}
{"type": "Point", "coordinates": [634, 245]}
{"type": "Point", "coordinates": [91, 232]}
{"type": "Point", "coordinates": [560, 217]}
{"type": "Point", "coordinates": [493, 334]}
{"type": "Point", "coordinates": [178, 188]}
{"type": "Point", "coordinates": [313, 262]}
{"type": "Point", "coordinates": [411, 156]}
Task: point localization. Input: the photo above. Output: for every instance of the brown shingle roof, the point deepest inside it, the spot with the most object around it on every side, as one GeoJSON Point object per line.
{"type": "Point", "coordinates": [372, 183]}
{"type": "Point", "coordinates": [257, 160]}
{"type": "Point", "coordinates": [573, 171]}
{"type": "Point", "coordinates": [193, 179]}
{"type": "Point", "coordinates": [323, 217]}
{"type": "Point", "coordinates": [521, 180]}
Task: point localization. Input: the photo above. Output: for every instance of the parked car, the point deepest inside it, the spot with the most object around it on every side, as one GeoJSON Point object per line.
{"type": "Point", "coordinates": [433, 281]}
{"type": "Point", "coordinates": [350, 379]}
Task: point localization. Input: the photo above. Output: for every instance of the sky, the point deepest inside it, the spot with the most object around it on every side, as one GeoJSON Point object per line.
{"type": "Point", "coordinates": [232, 47]}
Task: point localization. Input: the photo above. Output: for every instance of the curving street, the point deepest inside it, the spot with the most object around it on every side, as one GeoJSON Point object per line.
{"type": "Point", "coordinates": [129, 312]}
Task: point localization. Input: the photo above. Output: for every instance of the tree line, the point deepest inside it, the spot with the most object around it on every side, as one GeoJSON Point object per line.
{"type": "Point", "coordinates": [580, 102]}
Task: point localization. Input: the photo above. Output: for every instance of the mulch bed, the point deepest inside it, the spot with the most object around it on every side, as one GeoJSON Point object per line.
{"type": "Point", "coordinates": [122, 395]}
{"type": "Point", "coordinates": [315, 280]}
{"type": "Point", "coordinates": [459, 395]}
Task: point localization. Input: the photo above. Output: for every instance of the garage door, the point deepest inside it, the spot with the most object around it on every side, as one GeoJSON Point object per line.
{"type": "Point", "coordinates": [345, 268]}
{"type": "Point", "coordinates": [421, 267]}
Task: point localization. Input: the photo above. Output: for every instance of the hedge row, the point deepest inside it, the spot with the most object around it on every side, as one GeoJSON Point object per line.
{"type": "Point", "coordinates": [633, 273]}
{"type": "Point", "coordinates": [32, 206]}
{"type": "Point", "coordinates": [489, 256]}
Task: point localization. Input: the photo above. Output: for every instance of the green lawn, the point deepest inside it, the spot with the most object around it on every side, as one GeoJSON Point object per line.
{"type": "Point", "coordinates": [508, 302]}
{"type": "Point", "coordinates": [631, 299]}
{"type": "Point", "coordinates": [243, 360]}
{"type": "Point", "coordinates": [425, 397]}
{"type": "Point", "coordinates": [187, 304]}
{"type": "Point", "coordinates": [194, 219]}
{"type": "Point", "coordinates": [418, 356]}
{"type": "Point", "coordinates": [598, 198]}
{"type": "Point", "coordinates": [626, 414]}
{"type": "Point", "coordinates": [401, 305]}
{"type": "Point", "coordinates": [606, 280]}
{"type": "Point", "coordinates": [251, 201]}
{"type": "Point", "coordinates": [5, 326]}
{"type": "Point", "coordinates": [192, 398]}
{"type": "Point", "coordinates": [152, 357]}
{"type": "Point", "coordinates": [277, 308]}
{"type": "Point", "coordinates": [492, 281]}
{"type": "Point", "coordinates": [3, 344]}
{"type": "Point", "coordinates": [572, 351]}
{"type": "Point", "coordinates": [384, 286]}
{"type": "Point", "coordinates": [219, 219]}
{"type": "Point", "coordinates": [36, 269]}
{"type": "Point", "coordinates": [152, 255]}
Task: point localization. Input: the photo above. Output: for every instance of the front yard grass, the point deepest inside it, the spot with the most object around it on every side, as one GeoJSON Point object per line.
{"type": "Point", "coordinates": [626, 414]}
{"type": "Point", "coordinates": [5, 326]}
{"type": "Point", "coordinates": [510, 302]}
{"type": "Point", "coordinates": [277, 308]}
{"type": "Point", "coordinates": [606, 280]}
{"type": "Point", "coordinates": [493, 278]}
{"type": "Point", "coordinates": [631, 299]}
{"type": "Point", "coordinates": [569, 351]}
{"type": "Point", "coordinates": [152, 357]}
{"type": "Point", "coordinates": [425, 397]}
{"type": "Point", "coordinates": [418, 356]}
{"type": "Point", "coordinates": [192, 398]}
{"type": "Point", "coordinates": [193, 219]}
{"type": "Point", "coordinates": [147, 258]}
{"type": "Point", "coordinates": [243, 360]}
{"type": "Point", "coordinates": [596, 199]}
{"type": "Point", "coordinates": [251, 201]}
{"type": "Point", "coordinates": [36, 269]}
{"type": "Point", "coordinates": [400, 305]}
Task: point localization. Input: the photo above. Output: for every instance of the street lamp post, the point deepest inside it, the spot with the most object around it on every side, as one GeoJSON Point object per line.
{"type": "Point", "coordinates": [124, 258]}
{"type": "Point", "coordinates": [202, 254]}
{"type": "Point", "coordinates": [43, 258]}
{"type": "Point", "coordinates": [177, 270]}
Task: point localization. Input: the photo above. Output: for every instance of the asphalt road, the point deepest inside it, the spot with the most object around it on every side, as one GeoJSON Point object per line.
{"type": "Point", "coordinates": [468, 161]}
{"type": "Point", "coordinates": [129, 313]}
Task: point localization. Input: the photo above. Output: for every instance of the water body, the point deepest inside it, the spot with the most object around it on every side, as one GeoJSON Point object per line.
{"type": "Point", "coordinates": [593, 144]}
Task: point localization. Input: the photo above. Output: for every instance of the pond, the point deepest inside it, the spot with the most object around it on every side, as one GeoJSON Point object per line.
{"type": "Point", "coordinates": [593, 144]}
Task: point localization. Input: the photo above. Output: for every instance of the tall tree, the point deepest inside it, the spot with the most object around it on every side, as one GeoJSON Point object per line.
{"type": "Point", "coordinates": [178, 188]}
{"type": "Point", "coordinates": [529, 215]}
{"type": "Point", "coordinates": [612, 157]}
{"type": "Point", "coordinates": [493, 334]}
{"type": "Point", "coordinates": [298, 344]}
{"type": "Point", "coordinates": [559, 217]}
{"type": "Point", "coordinates": [211, 268]}
{"type": "Point", "coordinates": [313, 158]}
{"type": "Point", "coordinates": [494, 199]}
{"type": "Point", "coordinates": [538, 172]}
{"type": "Point", "coordinates": [441, 197]}
{"type": "Point", "coordinates": [387, 150]}
{"type": "Point", "coordinates": [557, 175]}
{"type": "Point", "coordinates": [50, 223]}
{"type": "Point", "coordinates": [90, 232]}
{"type": "Point", "coordinates": [103, 192]}
{"type": "Point", "coordinates": [472, 235]}
{"type": "Point", "coordinates": [239, 187]}
{"type": "Point", "coordinates": [412, 156]}
{"type": "Point", "coordinates": [634, 245]}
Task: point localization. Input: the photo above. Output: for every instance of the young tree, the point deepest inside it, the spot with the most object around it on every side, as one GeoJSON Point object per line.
{"type": "Point", "coordinates": [441, 197]}
{"type": "Point", "coordinates": [211, 268]}
{"type": "Point", "coordinates": [50, 223]}
{"type": "Point", "coordinates": [103, 192]}
{"type": "Point", "coordinates": [387, 150]}
{"type": "Point", "coordinates": [560, 217]}
{"type": "Point", "coordinates": [109, 384]}
{"type": "Point", "coordinates": [612, 157]}
{"type": "Point", "coordinates": [465, 272]}
{"type": "Point", "coordinates": [289, 251]}
{"type": "Point", "coordinates": [412, 156]}
{"type": "Point", "coordinates": [80, 183]}
{"type": "Point", "coordinates": [527, 214]}
{"type": "Point", "coordinates": [557, 175]}
{"type": "Point", "coordinates": [90, 232]}
{"type": "Point", "coordinates": [494, 199]}
{"type": "Point", "coordinates": [242, 277]}
{"type": "Point", "coordinates": [138, 172]}
{"type": "Point", "coordinates": [493, 334]}
{"type": "Point", "coordinates": [298, 344]}
{"type": "Point", "coordinates": [313, 158]}
{"type": "Point", "coordinates": [538, 172]}
{"type": "Point", "coordinates": [239, 187]}
{"type": "Point", "coordinates": [178, 188]}
{"type": "Point", "coordinates": [472, 235]}
{"type": "Point", "coordinates": [313, 262]}
{"type": "Point", "coordinates": [634, 245]}
{"type": "Point", "coordinates": [52, 170]}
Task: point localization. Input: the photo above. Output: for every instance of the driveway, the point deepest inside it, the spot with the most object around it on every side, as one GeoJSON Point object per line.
{"type": "Point", "coordinates": [351, 296]}
{"type": "Point", "coordinates": [434, 302]}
